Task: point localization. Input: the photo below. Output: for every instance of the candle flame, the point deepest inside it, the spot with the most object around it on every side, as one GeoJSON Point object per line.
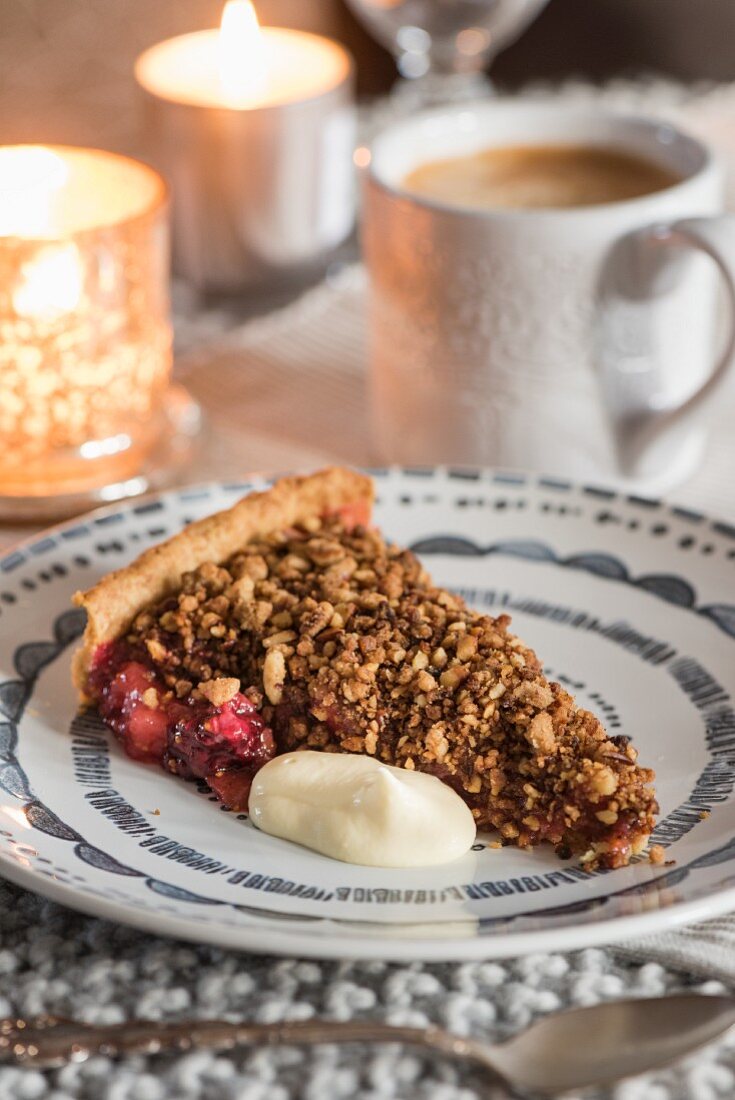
{"type": "Point", "coordinates": [29, 177]}
{"type": "Point", "coordinates": [50, 284]}
{"type": "Point", "coordinates": [242, 69]}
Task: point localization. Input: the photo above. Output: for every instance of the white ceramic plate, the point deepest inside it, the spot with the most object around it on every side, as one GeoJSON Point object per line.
{"type": "Point", "coordinates": [631, 603]}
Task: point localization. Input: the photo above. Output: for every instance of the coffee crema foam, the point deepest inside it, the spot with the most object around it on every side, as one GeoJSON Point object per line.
{"type": "Point", "coordinates": [539, 177]}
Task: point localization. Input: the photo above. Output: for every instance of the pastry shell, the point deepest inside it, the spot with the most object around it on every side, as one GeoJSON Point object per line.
{"type": "Point", "coordinates": [114, 602]}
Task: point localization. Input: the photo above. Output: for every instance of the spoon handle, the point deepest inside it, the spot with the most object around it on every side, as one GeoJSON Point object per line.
{"type": "Point", "coordinates": [50, 1041]}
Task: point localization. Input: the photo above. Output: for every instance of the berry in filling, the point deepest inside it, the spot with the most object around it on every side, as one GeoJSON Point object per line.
{"type": "Point", "coordinates": [221, 739]}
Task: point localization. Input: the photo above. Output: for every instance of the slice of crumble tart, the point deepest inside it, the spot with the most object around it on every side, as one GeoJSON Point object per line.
{"type": "Point", "coordinates": [287, 623]}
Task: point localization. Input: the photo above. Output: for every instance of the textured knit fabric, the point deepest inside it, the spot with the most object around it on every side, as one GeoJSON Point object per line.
{"type": "Point", "coordinates": [54, 960]}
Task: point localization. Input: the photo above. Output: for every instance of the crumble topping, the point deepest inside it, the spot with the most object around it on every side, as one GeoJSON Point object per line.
{"type": "Point", "coordinates": [346, 645]}
{"type": "Point", "coordinates": [219, 692]}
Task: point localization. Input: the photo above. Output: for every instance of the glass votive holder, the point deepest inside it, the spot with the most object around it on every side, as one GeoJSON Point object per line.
{"type": "Point", "coordinates": [87, 409]}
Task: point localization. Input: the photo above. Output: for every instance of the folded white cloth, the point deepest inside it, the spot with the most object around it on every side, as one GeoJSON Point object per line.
{"type": "Point", "coordinates": [706, 950]}
{"type": "Point", "coordinates": [289, 390]}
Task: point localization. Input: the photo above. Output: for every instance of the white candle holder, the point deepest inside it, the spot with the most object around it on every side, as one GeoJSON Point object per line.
{"type": "Point", "coordinates": [258, 154]}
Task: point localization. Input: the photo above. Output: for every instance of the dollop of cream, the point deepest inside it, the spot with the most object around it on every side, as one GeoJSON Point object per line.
{"type": "Point", "coordinates": [355, 809]}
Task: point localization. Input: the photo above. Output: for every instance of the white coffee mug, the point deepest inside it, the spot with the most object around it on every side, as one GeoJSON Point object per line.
{"type": "Point", "coordinates": [580, 341]}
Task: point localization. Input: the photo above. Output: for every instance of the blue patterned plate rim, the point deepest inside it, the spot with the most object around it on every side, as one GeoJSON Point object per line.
{"type": "Point", "coordinates": [269, 931]}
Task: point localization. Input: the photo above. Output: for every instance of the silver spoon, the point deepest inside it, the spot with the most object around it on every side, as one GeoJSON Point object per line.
{"type": "Point", "coordinates": [568, 1050]}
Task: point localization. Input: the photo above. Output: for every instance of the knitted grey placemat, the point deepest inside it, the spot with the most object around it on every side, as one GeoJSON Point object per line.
{"type": "Point", "coordinates": [55, 960]}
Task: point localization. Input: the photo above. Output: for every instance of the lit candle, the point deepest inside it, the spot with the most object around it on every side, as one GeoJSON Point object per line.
{"type": "Point", "coordinates": [254, 128]}
{"type": "Point", "coordinates": [85, 338]}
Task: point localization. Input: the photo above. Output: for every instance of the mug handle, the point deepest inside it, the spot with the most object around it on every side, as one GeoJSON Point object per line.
{"type": "Point", "coordinates": [642, 267]}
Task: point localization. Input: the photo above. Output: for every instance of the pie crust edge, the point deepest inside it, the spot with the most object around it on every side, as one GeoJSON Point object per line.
{"type": "Point", "coordinates": [113, 603]}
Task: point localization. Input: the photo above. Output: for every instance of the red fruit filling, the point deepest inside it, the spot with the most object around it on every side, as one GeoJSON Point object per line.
{"type": "Point", "coordinates": [224, 745]}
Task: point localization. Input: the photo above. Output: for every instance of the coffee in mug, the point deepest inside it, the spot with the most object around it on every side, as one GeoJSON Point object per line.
{"type": "Point", "coordinates": [548, 319]}
{"type": "Point", "coordinates": [538, 176]}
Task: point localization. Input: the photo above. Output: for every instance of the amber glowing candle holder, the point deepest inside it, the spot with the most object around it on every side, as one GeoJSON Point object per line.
{"type": "Point", "coordinates": [87, 409]}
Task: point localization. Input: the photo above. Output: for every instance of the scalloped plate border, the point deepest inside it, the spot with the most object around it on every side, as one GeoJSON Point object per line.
{"type": "Point", "coordinates": [323, 937]}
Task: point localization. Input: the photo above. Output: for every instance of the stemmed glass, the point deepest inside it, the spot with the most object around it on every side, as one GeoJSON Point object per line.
{"type": "Point", "coordinates": [443, 47]}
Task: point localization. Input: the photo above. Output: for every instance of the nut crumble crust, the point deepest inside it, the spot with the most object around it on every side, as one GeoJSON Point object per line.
{"type": "Point", "coordinates": [113, 603]}
{"type": "Point", "coordinates": [347, 646]}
